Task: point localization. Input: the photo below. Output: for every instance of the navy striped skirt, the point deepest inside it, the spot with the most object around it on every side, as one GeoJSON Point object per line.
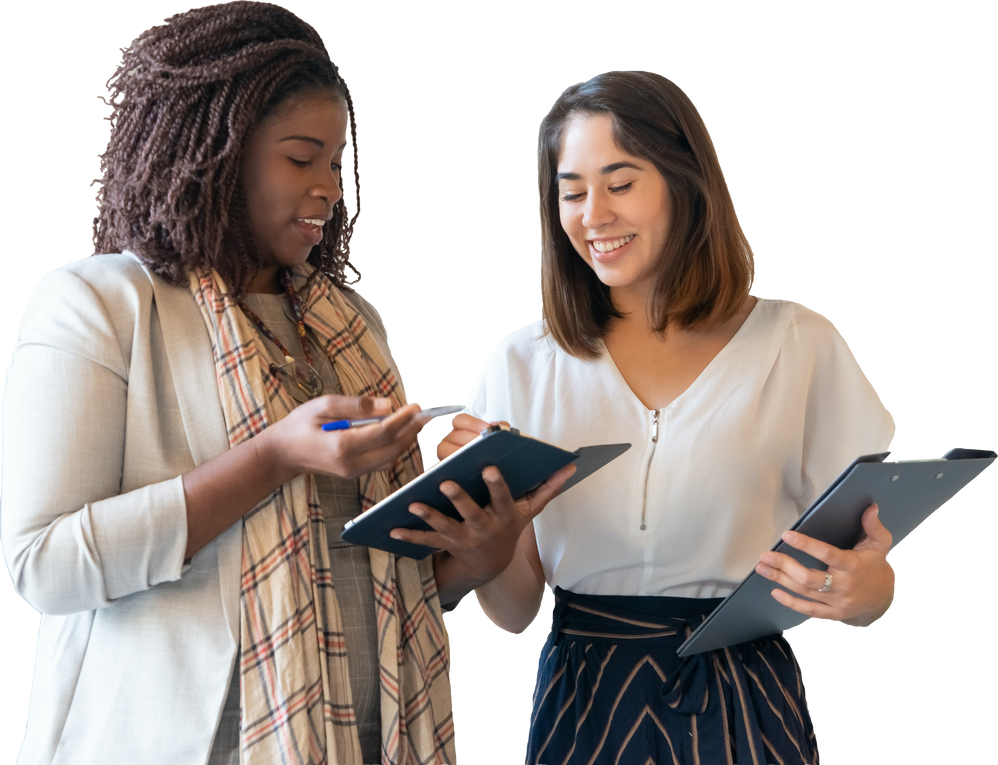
{"type": "Point", "coordinates": [612, 691]}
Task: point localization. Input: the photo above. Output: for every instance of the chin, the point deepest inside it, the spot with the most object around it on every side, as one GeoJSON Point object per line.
{"type": "Point", "coordinates": [291, 260]}
{"type": "Point", "coordinates": [614, 278]}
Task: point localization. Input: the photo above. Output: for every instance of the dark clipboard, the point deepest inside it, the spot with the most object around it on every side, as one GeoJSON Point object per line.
{"type": "Point", "coordinates": [906, 493]}
{"type": "Point", "coordinates": [525, 463]}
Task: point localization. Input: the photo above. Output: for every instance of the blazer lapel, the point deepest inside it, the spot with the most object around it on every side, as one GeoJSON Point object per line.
{"type": "Point", "coordinates": [188, 348]}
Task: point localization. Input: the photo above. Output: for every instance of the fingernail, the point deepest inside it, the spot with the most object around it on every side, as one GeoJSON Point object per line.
{"type": "Point", "coordinates": [395, 535]}
{"type": "Point", "coordinates": [789, 537]}
{"type": "Point", "coordinates": [491, 474]}
{"type": "Point", "coordinates": [448, 488]}
{"type": "Point", "coordinates": [416, 510]}
{"type": "Point", "coordinates": [763, 570]}
{"type": "Point", "coordinates": [768, 560]}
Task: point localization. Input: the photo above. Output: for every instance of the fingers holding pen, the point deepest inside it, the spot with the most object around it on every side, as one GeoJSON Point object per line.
{"type": "Point", "coordinates": [401, 425]}
{"type": "Point", "coordinates": [376, 446]}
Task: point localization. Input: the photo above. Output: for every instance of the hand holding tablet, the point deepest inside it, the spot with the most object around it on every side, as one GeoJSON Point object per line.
{"type": "Point", "coordinates": [524, 463]}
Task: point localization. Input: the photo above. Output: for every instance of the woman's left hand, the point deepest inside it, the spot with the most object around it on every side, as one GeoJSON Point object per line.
{"type": "Point", "coordinates": [861, 587]}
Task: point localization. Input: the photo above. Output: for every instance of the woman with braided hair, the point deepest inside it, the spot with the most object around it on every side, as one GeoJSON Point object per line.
{"type": "Point", "coordinates": [173, 507]}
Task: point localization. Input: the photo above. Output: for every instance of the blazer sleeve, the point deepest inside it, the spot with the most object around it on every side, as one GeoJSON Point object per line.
{"type": "Point", "coordinates": [72, 540]}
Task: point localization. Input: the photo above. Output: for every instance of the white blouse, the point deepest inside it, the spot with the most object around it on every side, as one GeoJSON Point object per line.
{"type": "Point", "coordinates": [710, 481]}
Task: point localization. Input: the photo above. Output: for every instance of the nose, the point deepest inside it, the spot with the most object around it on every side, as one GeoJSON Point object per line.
{"type": "Point", "coordinates": [327, 186]}
{"type": "Point", "coordinates": [597, 210]}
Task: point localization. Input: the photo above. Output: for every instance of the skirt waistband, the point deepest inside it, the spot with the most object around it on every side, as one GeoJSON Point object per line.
{"type": "Point", "coordinates": [629, 618]}
{"type": "Point", "coordinates": [616, 658]}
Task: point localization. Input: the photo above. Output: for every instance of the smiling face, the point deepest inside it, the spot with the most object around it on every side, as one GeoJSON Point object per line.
{"type": "Point", "coordinates": [614, 207]}
{"type": "Point", "coordinates": [291, 180]}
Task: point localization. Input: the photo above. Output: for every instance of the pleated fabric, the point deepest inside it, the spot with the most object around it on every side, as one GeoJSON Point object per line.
{"type": "Point", "coordinates": [612, 691]}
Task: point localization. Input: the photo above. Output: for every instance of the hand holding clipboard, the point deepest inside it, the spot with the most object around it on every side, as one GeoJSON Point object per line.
{"type": "Point", "coordinates": [906, 493]}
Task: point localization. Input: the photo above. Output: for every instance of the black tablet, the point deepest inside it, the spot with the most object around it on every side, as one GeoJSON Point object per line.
{"type": "Point", "coordinates": [525, 463]}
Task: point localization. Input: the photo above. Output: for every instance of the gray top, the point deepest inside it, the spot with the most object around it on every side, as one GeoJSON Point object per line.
{"type": "Point", "coordinates": [351, 568]}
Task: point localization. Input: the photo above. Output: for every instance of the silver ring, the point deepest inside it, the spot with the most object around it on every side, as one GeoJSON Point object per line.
{"type": "Point", "coordinates": [828, 583]}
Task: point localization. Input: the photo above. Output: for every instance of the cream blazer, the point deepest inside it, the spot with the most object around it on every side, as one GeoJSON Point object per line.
{"type": "Point", "coordinates": [111, 398]}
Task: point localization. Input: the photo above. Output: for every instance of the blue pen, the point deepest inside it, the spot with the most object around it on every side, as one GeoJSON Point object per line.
{"type": "Point", "coordinates": [426, 414]}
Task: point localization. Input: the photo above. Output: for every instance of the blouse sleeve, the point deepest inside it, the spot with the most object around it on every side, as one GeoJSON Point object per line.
{"type": "Point", "coordinates": [72, 539]}
{"type": "Point", "coordinates": [490, 399]}
{"type": "Point", "coordinates": [843, 415]}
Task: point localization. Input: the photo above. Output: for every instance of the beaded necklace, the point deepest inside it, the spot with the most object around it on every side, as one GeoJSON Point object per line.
{"type": "Point", "coordinates": [300, 377]}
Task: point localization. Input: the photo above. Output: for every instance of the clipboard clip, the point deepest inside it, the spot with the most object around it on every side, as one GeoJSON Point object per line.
{"type": "Point", "coordinates": [970, 453]}
{"type": "Point", "coordinates": [497, 428]}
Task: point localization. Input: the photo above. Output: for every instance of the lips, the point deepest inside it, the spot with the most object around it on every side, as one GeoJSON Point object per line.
{"type": "Point", "coordinates": [607, 250]}
{"type": "Point", "coordinates": [310, 229]}
{"type": "Point", "coordinates": [609, 245]}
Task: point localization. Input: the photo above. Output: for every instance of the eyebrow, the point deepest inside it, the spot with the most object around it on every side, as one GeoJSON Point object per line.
{"type": "Point", "coordinates": [603, 171]}
{"type": "Point", "coordinates": [309, 139]}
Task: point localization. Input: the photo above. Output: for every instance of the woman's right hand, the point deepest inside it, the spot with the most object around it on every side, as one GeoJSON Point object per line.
{"type": "Point", "coordinates": [297, 444]}
{"type": "Point", "coordinates": [465, 429]}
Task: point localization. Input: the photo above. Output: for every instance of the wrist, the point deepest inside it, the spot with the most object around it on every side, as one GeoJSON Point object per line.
{"type": "Point", "coordinates": [270, 458]}
{"type": "Point", "coordinates": [454, 578]}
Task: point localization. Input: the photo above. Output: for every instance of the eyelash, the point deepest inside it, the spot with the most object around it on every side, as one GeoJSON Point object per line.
{"type": "Point", "coordinates": [305, 163]}
{"type": "Point", "coordinates": [613, 190]}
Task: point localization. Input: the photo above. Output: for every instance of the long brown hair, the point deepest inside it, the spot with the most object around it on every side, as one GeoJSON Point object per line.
{"type": "Point", "coordinates": [184, 101]}
{"type": "Point", "coordinates": [706, 267]}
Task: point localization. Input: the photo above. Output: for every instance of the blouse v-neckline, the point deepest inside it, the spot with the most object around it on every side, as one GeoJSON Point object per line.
{"type": "Point", "coordinates": [735, 340]}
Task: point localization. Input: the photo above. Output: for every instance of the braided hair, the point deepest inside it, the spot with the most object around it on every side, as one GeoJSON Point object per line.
{"type": "Point", "coordinates": [184, 101]}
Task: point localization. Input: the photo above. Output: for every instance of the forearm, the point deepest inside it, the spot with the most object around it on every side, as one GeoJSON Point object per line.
{"type": "Point", "coordinates": [454, 581]}
{"type": "Point", "coordinates": [223, 489]}
{"type": "Point", "coordinates": [512, 599]}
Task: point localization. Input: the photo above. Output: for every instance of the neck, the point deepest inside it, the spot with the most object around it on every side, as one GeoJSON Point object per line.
{"type": "Point", "coordinates": [267, 281]}
{"type": "Point", "coordinates": [632, 303]}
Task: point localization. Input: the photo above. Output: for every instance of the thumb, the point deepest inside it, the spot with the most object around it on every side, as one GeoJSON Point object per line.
{"type": "Point", "coordinates": [548, 490]}
{"type": "Point", "coordinates": [877, 535]}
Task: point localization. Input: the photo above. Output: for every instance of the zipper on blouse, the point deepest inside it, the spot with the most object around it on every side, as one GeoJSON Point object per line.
{"type": "Point", "coordinates": [654, 440]}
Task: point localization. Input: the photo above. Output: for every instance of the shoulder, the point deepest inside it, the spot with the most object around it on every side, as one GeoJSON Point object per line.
{"type": "Point", "coordinates": [107, 265]}
{"type": "Point", "coordinates": [527, 346]}
{"type": "Point", "coordinates": [519, 367]}
{"type": "Point", "coordinates": [811, 348]}
{"type": "Point", "coordinates": [368, 311]}
{"type": "Point", "coordinates": [109, 274]}
{"type": "Point", "coordinates": [94, 307]}
{"type": "Point", "coordinates": [522, 350]}
{"type": "Point", "coordinates": [798, 328]}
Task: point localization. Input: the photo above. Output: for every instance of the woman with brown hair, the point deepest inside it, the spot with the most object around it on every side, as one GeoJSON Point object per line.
{"type": "Point", "coordinates": [740, 411]}
{"type": "Point", "coordinates": [171, 504]}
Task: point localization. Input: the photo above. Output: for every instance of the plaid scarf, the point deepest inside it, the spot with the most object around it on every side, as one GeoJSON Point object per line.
{"type": "Point", "coordinates": [294, 685]}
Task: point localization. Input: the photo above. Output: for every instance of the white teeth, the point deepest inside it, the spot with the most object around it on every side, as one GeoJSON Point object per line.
{"type": "Point", "coordinates": [613, 245]}
{"type": "Point", "coordinates": [313, 221]}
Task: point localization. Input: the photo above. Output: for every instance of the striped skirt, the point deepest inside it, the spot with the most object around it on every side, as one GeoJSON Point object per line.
{"type": "Point", "coordinates": [612, 691]}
